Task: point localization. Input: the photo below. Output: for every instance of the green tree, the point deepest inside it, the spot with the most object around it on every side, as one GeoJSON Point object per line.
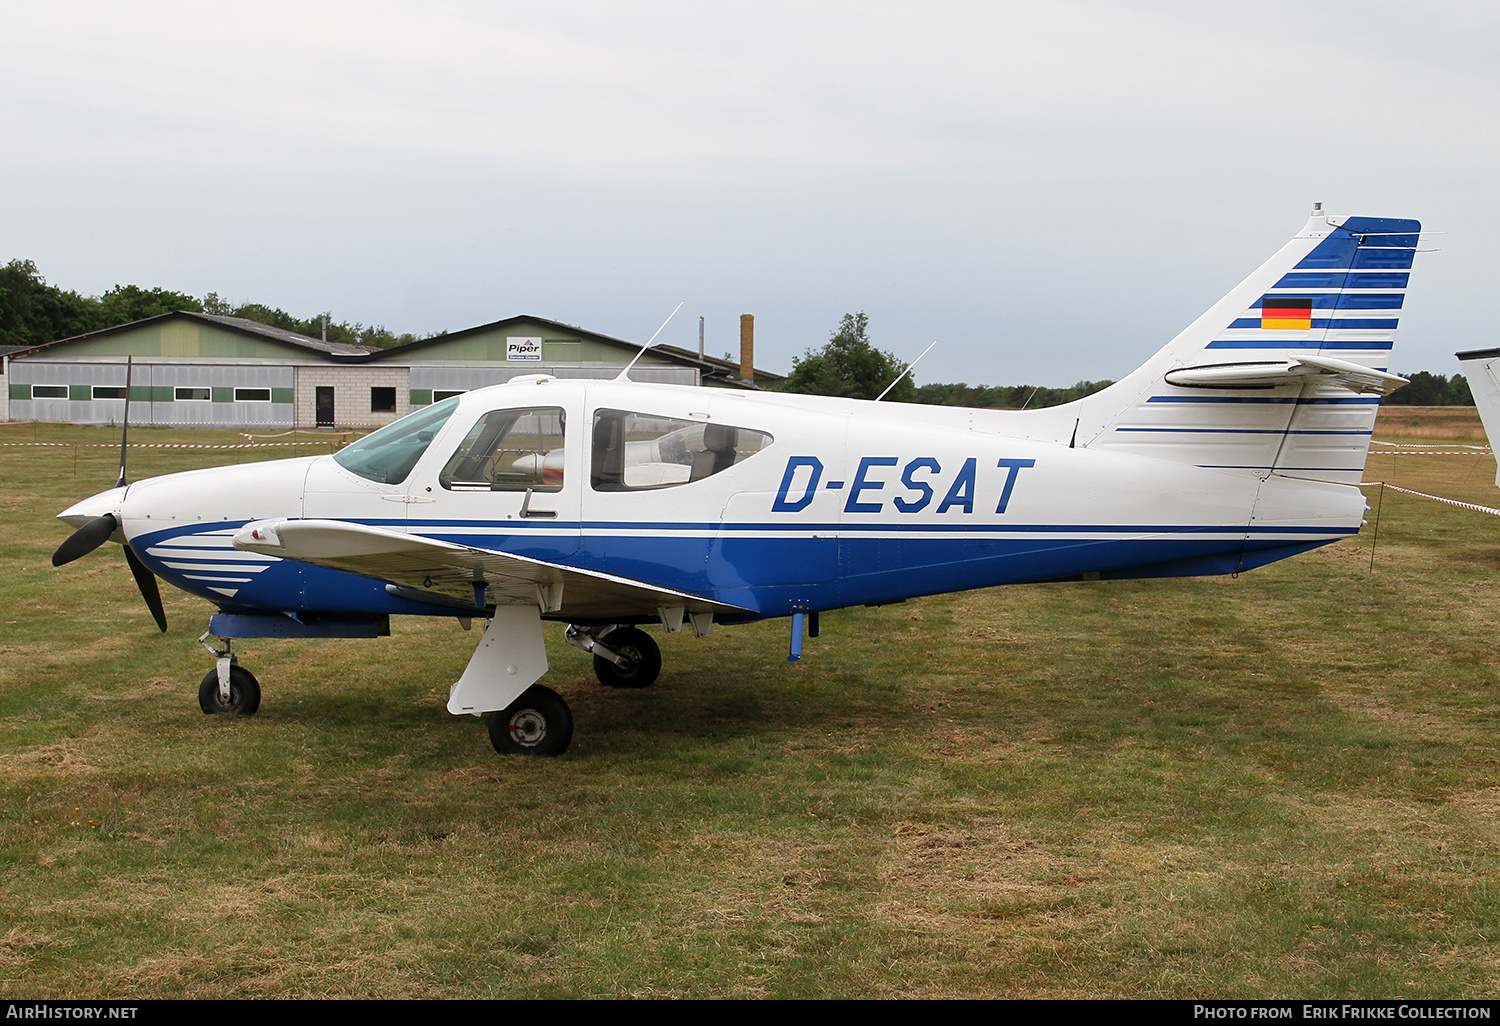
{"type": "Point", "coordinates": [374, 335]}
{"type": "Point", "coordinates": [125, 303]}
{"type": "Point", "coordinates": [33, 312]}
{"type": "Point", "coordinates": [1428, 389]}
{"type": "Point", "coordinates": [850, 366]}
{"type": "Point", "coordinates": [273, 316]}
{"type": "Point", "coordinates": [1006, 397]}
{"type": "Point", "coordinates": [1459, 393]}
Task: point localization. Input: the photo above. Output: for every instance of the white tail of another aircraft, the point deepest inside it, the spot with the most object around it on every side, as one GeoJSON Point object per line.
{"type": "Point", "coordinates": [1283, 374]}
{"type": "Point", "coordinates": [1482, 367]}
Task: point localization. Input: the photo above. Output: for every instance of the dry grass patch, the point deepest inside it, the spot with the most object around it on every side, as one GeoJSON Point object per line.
{"type": "Point", "coordinates": [1429, 423]}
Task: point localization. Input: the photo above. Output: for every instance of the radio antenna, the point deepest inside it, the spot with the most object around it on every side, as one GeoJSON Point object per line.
{"type": "Point", "coordinates": [903, 374]}
{"type": "Point", "coordinates": [624, 375]}
{"type": "Point", "coordinates": [124, 428]}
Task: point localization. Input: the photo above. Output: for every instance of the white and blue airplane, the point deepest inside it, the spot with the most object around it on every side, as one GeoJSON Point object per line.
{"type": "Point", "coordinates": [610, 505]}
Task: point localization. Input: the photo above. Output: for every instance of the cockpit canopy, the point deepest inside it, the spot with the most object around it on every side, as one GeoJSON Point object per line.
{"type": "Point", "coordinates": [520, 450]}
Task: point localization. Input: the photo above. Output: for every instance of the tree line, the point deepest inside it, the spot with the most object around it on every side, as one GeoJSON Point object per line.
{"type": "Point", "coordinates": [33, 312]}
{"type": "Point", "coordinates": [851, 366]}
{"type": "Point", "coordinates": [1432, 390]}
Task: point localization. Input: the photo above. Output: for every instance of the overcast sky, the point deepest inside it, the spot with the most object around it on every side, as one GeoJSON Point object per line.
{"type": "Point", "coordinates": [1052, 190]}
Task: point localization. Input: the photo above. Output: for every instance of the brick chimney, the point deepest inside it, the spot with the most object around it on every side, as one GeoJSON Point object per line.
{"type": "Point", "coordinates": [747, 347]}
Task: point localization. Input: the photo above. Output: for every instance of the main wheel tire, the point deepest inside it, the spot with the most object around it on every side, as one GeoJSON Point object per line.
{"type": "Point", "coordinates": [638, 647]}
{"type": "Point", "coordinates": [244, 693]}
{"type": "Point", "coordinates": [537, 723]}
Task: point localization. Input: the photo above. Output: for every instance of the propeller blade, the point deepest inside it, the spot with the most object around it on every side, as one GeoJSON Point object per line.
{"type": "Point", "coordinates": [146, 581]}
{"type": "Point", "coordinates": [86, 539]}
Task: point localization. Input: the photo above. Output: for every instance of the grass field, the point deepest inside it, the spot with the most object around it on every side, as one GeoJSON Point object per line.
{"type": "Point", "coordinates": [1284, 784]}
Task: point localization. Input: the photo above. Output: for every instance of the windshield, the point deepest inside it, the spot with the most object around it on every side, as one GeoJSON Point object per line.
{"type": "Point", "coordinates": [388, 455]}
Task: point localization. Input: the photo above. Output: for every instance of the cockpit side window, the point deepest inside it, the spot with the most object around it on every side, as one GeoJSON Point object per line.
{"type": "Point", "coordinates": [638, 451]}
{"type": "Point", "coordinates": [388, 455]}
{"type": "Point", "coordinates": [510, 451]}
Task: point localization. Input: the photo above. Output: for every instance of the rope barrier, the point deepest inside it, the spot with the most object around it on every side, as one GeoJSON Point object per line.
{"type": "Point", "coordinates": [298, 431]}
{"type": "Point", "coordinates": [1480, 450]}
{"type": "Point", "coordinates": [1437, 498]}
{"type": "Point", "coordinates": [167, 445]}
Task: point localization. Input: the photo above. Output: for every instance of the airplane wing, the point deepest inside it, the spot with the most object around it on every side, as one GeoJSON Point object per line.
{"type": "Point", "coordinates": [429, 570]}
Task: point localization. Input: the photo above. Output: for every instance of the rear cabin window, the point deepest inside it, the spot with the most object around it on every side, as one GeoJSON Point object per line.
{"type": "Point", "coordinates": [637, 451]}
{"type": "Point", "coordinates": [510, 451]}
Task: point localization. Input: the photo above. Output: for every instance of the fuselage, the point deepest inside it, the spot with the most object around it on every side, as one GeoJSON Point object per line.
{"type": "Point", "coordinates": [770, 503]}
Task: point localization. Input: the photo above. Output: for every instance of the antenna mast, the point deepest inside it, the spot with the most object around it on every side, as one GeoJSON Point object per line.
{"type": "Point", "coordinates": [903, 374]}
{"type": "Point", "coordinates": [124, 428]}
{"type": "Point", "coordinates": [624, 374]}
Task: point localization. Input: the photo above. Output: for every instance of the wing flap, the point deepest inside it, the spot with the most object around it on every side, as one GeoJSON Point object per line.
{"type": "Point", "coordinates": [416, 563]}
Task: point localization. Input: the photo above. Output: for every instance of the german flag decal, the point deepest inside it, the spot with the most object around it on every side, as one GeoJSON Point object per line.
{"type": "Point", "coordinates": [1280, 313]}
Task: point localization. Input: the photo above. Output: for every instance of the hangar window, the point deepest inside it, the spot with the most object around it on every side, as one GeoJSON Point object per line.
{"type": "Point", "coordinates": [109, 392]}
{"type": "Point", "coordinates": [383, 400]}
{"type": "Point", "coordinates": [191, 395]}
{"type": "Point", "coordinates": [635, 451]}
{"type": "Point", "coordinates": [388, 455]}
{"type": "Point", "coordinates": [510, 451]}
{"type": "Point", "coordinates": [252, 395]}
{"type": "Point", "coordinates": [49, 391]}
{"type": "Point", "coordinates": [439, 394]}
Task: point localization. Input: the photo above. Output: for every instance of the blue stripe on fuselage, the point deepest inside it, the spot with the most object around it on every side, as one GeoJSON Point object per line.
{"type": "Point", "coordinates": [733, 565]}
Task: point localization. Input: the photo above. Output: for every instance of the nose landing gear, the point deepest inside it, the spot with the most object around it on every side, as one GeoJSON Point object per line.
{"type": "Point", "coordinates": [228, 689]}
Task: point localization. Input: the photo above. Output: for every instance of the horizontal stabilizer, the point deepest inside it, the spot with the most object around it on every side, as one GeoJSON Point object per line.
{"type": "Point", "coordinates": [1322, 370]}
{"type": "Point", "coordinates": [463, 575]}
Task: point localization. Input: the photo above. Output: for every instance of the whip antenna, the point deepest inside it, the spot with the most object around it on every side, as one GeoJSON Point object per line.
{"type": "Point", "coordinates": [624, 374]}
{"type": "Point", "coordinates": [903, 374]}
{"type": "Point", "coordinates": [125, 428]}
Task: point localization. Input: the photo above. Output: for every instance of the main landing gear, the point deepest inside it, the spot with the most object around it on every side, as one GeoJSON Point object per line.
{"type": "Point", "coordinates": [537, 723]}
{"type": "Point", "coordinates": [624, 657]}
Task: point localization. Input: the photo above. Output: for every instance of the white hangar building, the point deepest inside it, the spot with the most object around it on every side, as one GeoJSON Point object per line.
{"type": "Point", "coordinates": [193, 369]}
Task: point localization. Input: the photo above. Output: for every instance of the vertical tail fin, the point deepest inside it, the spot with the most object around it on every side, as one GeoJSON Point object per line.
{"type": "Point", "coordinates": [1284, 373]}
{"type": "Point", "coordinates": [1483, 369]}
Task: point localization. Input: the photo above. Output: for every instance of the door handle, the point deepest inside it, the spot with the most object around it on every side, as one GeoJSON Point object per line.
{"type": "Point", "coordinates": [527, 511]}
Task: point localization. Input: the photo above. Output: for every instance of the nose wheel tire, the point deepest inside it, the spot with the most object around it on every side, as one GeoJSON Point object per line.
{"type": "Point", "coordinates": [638, 647]}
{"type": "Point", "coordinates": [244, 693]}
{"type": "Point", "coordinates": [537, 723]}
